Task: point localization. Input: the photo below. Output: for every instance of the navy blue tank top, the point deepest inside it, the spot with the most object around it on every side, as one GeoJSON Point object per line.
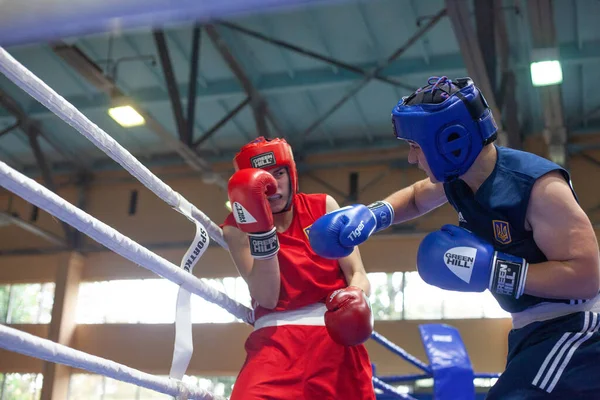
{"type": "Point", "coordinates": [497, 212]}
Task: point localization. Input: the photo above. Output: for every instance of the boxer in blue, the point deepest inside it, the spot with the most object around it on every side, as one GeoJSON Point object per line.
{"type": "Point", "coordinates": [521, 234]}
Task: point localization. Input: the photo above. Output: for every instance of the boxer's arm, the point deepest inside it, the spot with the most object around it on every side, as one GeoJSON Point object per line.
{"type": "Point", "coordinates": [261, 275]}
{"type": "Point", "coordinates": [351, 265]}
{"type": "Point", "coordinates": [417, 199]}
{"type": "Point", "coordinates": [564, 233]}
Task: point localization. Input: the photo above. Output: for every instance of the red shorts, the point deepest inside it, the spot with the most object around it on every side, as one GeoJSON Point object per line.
{"type": "Point", "coordinates": [298, 362]}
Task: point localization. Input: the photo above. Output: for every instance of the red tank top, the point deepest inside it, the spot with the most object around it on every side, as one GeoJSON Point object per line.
{"type": "Point", "coordinates": [305, 277]}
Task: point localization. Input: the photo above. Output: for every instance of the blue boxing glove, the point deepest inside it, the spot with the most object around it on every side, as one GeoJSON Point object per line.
{"type": "Point", "coordinates": [454, 258]}
{"type": "Point", "coordinates": [335, 234]}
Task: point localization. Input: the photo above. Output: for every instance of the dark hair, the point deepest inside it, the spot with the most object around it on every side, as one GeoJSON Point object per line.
{"type": "Point", "coordinates": [437, 90]}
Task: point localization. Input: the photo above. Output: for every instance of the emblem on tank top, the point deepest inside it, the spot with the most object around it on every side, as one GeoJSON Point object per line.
{"type": "Point", "coordinates": [502, 232]}
{"type": "Point", "coordinates": [307, 230]}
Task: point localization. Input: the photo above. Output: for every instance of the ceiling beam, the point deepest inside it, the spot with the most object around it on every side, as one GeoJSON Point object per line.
{"type": "Point", "coordinates": [485, 21]}
{"type": "Point", "coordinates": [316, 78]}
{"type": "Point", "coordinates": [221, 122]}
{"type": "Point", "coordinates": [377, 70]}
{"type": "Point", "coordinates": [36, 230]}
{"type": "Point", "coordinates": [91, 72]}
{"type": "Point", "coordinates": [170, 159]}
{"type": "Point", "coordinates": [312, 54]}
{"type": "Point", "coordinates": [40, 159]}
{"type": "Point", "coordinates": [28, 122]}
{"type": "Point", "coordinates": [474, 58]}
{"type": "Point", "coordinates": [32, 128]}
{"type": "Point", "coordinates": [272, 83]}
{"type": "Point", "coordinates": [506, 94]}
{"type": "Point", "coordinates": [172, 87]}
{"type": "Point", "coordinates": [193, 82]}
{"type": "Point", "coordinates": [10, 128]}
{"type": "Point", "coordinates": [260, 109]}
{"type": "Point", "coordinates": [543, 35]}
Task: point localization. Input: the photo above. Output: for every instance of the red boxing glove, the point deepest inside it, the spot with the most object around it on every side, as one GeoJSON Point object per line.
{"type": "Point", "coordinates": [348, 318]}
{"type": "Point", "coordinates": [248, 190]}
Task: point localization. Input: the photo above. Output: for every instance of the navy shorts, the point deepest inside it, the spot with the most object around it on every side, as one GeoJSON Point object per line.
{"type": "Point", "coordinates": [554, 359]}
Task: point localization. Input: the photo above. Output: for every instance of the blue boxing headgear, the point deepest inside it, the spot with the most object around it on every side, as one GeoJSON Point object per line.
{"type": "Point", "coordinates": [450, 121]}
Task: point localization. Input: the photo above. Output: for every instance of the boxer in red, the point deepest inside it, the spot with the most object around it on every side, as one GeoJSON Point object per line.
{"type": "Point", "coordinates": [312, 314]}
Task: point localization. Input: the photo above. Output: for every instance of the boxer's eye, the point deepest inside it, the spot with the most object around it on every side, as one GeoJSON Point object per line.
{"type": "Point", "coordinates": [279, 172]}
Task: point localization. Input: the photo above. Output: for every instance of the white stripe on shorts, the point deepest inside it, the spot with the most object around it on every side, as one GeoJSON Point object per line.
{"type": "Point", "coordinates": [567, 344]}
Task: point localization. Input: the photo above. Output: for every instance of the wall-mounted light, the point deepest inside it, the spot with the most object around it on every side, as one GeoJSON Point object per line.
{"type": "Point", "coordinates": [126, 116]}
{"type": "Point", "coordinates": [545, 68]}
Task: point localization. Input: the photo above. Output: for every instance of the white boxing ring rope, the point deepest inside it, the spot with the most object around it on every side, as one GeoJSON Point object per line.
{"type": "Point", "coordinates": [14, 340]}
{"type": "Point", "coordinates": [97, 230]}
{"type": "Point", "coordinates": [43, 93]}
{"type": "Point", "coordinates": [45, 199]}
{"type": "Point", "coordinates": [50, 202]}
{"type": "Point", "coordinates": [45, 349]}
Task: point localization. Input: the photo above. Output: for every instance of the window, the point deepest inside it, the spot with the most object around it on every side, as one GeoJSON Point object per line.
{"type": "Point", "coordinates": [219, 385]}
{"type": "Point", "coordinates": [20, 386]}
{"type": "Point", "coordinates": [406, 296]}
{"type": "Point", "coordinates": [26, 303]}
{"type": "Point", "coordinates": [424, 301]}
{"type": "Point", "coordinates": [151, 301]}
{"type": "Point", "coordinates": [4, 292]}
{"type": "Point", "coordinates": [387, 296]}
{"type": "Point", "coordinates": [485, 382]}
{"type": "Point", "coordinates": [422, 388]}
{"type": "Point", "coordinates": [394, 296]}
{"type": "Point", "coordinates": [97, 387]}
{"type": "Point", "coordinates": [127, 301]}
{"type": "Point", "coordinates": [83, 386]}
{"type": "Point", "coordinates": [235, 288]}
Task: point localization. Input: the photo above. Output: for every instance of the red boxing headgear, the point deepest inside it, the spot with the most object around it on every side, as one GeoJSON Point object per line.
{"type": "Point", "coordinates": [269, 153]}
